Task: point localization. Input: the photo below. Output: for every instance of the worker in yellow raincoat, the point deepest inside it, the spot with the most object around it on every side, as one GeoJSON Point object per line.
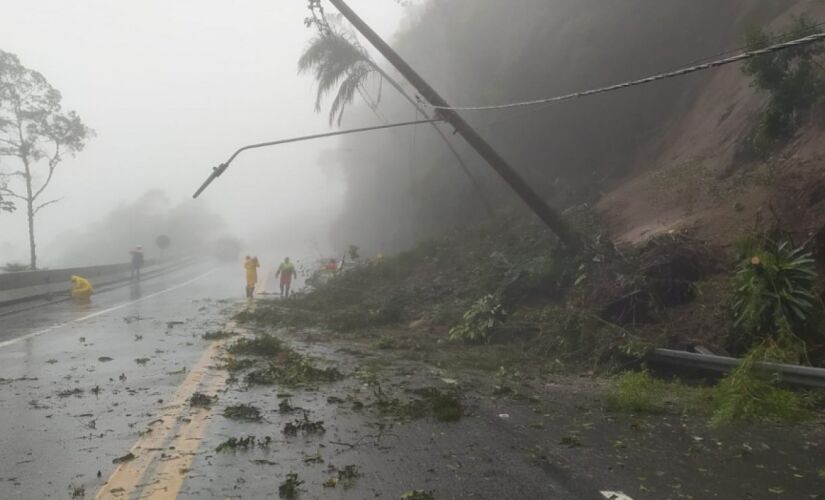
{"type": "Point", "coordinates": [251, 265]}
{"type": "Point", "coordinates": [81, 288]}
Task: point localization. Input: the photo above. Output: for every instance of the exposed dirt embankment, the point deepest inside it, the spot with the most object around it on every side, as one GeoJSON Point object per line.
{"type": "Point", "coordinates": [695, 175]}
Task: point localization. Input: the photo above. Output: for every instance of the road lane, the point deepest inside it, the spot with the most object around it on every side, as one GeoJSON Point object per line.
{"type": "Point", "coordinates": [78, 395]}
{"type": "Point", "coordinates": [115, 379]}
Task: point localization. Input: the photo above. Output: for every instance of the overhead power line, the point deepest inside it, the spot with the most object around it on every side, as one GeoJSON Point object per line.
{"type": "Point", "coordinates": [782, 37]}
{"type": "Point", "coordinates": [808, 40]}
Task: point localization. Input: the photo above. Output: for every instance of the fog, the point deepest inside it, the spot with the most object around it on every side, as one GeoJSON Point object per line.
{"type": "Point", "coordinates": [479, 52]}
{"type": "Point", "coordinates": [171, 90]}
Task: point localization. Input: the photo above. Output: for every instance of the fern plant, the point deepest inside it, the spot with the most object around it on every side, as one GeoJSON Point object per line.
{"type": "Point", "coordinates": [775, 290]}
{"type": "Point", "coordinates": [480, 321]}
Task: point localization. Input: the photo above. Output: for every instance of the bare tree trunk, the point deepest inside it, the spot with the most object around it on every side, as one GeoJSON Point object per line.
{"type": "Point", "coordinates": [30, 214]}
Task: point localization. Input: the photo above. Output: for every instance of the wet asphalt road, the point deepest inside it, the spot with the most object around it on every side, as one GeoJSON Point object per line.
{"type": "Point", "coordinates": [474, 458]}
{"type": "Point", "coordinates": [72, 395]}
{"type": "Point", "coordinates": [81, 384]}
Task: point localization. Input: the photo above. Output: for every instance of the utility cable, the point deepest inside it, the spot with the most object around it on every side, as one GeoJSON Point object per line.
{"type": "Point", "coordinates": [808, 40]}
{"type": "Point", "coordinates": [776, 38]}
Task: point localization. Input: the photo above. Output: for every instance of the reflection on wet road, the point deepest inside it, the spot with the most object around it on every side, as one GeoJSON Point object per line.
{"type": "Point", "coordinates": [80, 382]}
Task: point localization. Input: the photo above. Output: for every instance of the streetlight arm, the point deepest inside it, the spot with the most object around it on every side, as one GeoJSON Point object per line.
{"type": "Point", "coordinates": [220, 169]}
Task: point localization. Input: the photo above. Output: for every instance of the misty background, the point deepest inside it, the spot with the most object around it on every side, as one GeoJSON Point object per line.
{"type": "Point", "coordinates": [173, 88]}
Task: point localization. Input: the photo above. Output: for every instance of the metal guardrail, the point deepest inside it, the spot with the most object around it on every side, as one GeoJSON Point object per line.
{"type": "Point", "coordinates": [802, 376]}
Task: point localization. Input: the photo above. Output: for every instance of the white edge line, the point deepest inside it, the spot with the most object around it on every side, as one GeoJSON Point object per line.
{"type": "Point", "coordinates": [101, 313]}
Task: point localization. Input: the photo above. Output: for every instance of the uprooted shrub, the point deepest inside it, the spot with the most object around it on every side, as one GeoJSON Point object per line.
{"type": "Point", "coordinates": [661, 273]}
{"type": "Point", "coordinates": [480, 321]}
{"type": "Point", "coordinates": [292, 369]}
{"type": "Point", "coordinates": [750, 394]}
{"type": "Point", "coordinates": [575, 338]}
{"type": "Point", "coordinates": [260, 345]}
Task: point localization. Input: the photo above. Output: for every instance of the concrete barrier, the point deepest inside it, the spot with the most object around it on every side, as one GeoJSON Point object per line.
{"type": "Point", "coordinates": [54, 283]}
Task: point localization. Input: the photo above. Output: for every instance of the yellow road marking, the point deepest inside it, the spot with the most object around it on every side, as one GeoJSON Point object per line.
{"type": "Point", "coordinates": [150, 448]}
{"type": "Point", "coordinates": [170, 474]}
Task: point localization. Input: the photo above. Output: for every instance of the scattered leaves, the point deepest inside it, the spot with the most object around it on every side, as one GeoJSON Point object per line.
{"type": "Point", "coordinates": [289, 487]}
{"type": "Point", "coordinates": [244, 412]}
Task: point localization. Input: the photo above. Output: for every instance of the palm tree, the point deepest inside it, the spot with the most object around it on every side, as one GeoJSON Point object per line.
{"type": "Point", "coordinates": [337, 60]}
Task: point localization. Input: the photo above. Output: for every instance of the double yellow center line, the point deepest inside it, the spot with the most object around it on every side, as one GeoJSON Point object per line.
{"type": "Point", "coordinates": [163, 455]}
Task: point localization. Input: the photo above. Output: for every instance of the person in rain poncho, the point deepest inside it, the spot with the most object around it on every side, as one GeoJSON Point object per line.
{"type": "Point", "coordinates": [251, 265]}
{"type": "Point", "coordinates": [286, 271]}
{"type": "Point", "coordinates": [81, 288]}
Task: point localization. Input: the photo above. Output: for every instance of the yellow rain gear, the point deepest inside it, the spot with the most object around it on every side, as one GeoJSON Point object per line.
{"type": "Point", "coordinates": [81, 288]}
{"type": "Point", "coordinates": [251, 266]}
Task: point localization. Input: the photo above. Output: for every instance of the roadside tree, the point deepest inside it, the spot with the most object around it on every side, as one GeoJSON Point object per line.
{"type": "Point", "coordinates": [36, 132]}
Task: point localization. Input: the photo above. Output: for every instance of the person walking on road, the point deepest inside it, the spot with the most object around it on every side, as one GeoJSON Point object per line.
{"type": "Point", "coordinates": [81, 289]}
{"type": "Point", "coordinates": [137, 262]}
{"type": "Point", "coordinates": [286, 271]}
{"type": "Point", "coordinates": [251, 265]}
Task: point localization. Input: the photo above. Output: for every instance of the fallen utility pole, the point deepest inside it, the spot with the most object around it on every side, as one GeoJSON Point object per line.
{"type": "Point", "coordinates": [220, 169]}
{"type": "Point", "coordinates": [550, 217]}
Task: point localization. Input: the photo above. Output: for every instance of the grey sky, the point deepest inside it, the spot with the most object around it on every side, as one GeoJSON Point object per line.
{"type": "Point", "coordinates": [171, 88]}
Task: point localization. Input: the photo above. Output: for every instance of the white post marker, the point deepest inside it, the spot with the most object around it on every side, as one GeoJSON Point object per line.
{"type": "Point", "coordinates": [615, 495]}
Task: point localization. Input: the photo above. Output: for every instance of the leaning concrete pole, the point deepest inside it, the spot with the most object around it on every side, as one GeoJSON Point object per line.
{"type": "Point", "coordinates": [550, 217]}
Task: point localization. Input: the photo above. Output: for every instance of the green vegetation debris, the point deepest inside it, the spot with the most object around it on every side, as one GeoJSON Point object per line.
{"type": "Point", "coordinates": [480, 321]}
{"type": "Point", "coordinates": [292, 369]}
{"type": "Point", "coordinates": [125, 458]}
{"type": "Point", "coordinates": [418, 495]}
{"type": "Point", "coordinates": [746, 395]}
{"type": "Point", "coordinates": [289, 487]}
{"type": "Point", "coordinates": [571, 441]}
{"type": "Point", "coordinates": [640, 392]}
{"type": "Point", "coordinates": [751, 394]}
{"type": "Point", "coordinates": [243, 444]}
{"type": "Point", "coordinates": [234, 365]}
{"type": "Point", "coordinates": [244, 412]}
{"type": "Point", "coordinates": [346, 477]}
{"type": "Point", "coordinates": [285, 406]}
{"type": "Point", "coordinates": [304, 425]}
{"type": "Point", "coordinates": [218, 335]}
{"type": "Point", "coordinates": [200, 400]}
{"type": "Point", "coordinates": [442, 406]}
{"type": "Point", "coordinates": [70, 392]}
{"type": "Point", "coordinates": [260, 345]}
